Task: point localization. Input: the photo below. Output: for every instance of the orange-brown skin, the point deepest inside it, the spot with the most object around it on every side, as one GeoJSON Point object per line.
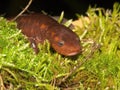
{"type": "Point", "coordinates": [39, 27]}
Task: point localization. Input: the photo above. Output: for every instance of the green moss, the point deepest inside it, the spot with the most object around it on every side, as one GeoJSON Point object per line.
{"type": "Point", "coordinates": [97, 68]}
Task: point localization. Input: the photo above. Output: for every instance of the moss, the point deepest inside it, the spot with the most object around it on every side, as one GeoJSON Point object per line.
{"type": "Point", "coordinates": [97, 68]}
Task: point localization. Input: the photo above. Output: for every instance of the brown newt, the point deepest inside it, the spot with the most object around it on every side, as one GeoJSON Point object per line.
{"type": "Point", "coordinates": [39, 27]}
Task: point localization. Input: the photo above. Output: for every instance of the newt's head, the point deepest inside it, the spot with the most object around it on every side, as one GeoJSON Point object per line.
{"type": "Point", "coordinates": [64, 41]}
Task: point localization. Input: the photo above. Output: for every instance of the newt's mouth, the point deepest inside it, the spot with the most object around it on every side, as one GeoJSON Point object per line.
{"type": "Point", "coordinates": [73, 54]}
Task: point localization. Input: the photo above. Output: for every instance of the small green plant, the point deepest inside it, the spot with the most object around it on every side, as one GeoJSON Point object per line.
{"type": "Point", "coordinates": [103, 29]}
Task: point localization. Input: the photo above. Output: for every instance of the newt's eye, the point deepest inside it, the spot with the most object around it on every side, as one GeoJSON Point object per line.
{"type": "Point", "coordinates": [61, 43]}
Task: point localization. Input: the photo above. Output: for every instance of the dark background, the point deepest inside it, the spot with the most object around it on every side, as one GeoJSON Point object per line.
{"type": "Point", "coordinates": [53, 7]}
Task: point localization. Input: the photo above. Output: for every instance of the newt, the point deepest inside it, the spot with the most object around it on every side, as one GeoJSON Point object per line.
{"type": "Point", "coordinates": [40, 27]}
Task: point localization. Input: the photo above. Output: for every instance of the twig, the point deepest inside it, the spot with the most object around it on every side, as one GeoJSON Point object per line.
{"type": "Point", "coordinates": [2, 87]}
{"type": "Point", "coordinates": [29, 3]}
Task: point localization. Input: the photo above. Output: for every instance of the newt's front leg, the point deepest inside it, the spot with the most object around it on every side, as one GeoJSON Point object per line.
{"type": "Point", "coordinates": [33, 44]}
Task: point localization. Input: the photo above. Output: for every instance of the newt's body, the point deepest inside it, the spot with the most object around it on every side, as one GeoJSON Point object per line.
{"type": "Point", "coordinates": [39, 27]}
